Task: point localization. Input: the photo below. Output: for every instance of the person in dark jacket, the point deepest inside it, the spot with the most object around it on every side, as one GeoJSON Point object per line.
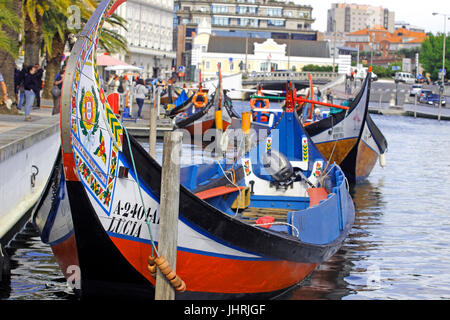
{"type": "Point", "coordinates": [58, 82]}
{"type": "Point", "coordinates": [31, 85]}
{"type": "Point", "coordinates": [20, 88]}
{"type": "Point", "coordinates": [38, 75]}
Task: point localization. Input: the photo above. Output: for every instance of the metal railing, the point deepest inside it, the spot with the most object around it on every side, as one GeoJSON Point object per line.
{"type": "Point", "coordinates": [291, 75]}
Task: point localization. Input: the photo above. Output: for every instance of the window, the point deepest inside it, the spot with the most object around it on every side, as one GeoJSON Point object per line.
{"type": "Point", "coordinates": [274, 12]}
{"type": "Point", "coordinates": [219, 9]}
{"type": "Point", "coordinates": [223, 21]}
{"type": "Point", "coordinates": [276, 23]}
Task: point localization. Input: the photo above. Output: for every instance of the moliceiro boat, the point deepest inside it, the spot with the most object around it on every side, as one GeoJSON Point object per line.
{"type": "Point", "coordinates": [252, 229]}
{"type": "Point", "coordinates": [350, 137]}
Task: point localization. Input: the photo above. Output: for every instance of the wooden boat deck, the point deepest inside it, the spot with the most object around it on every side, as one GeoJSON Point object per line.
{"type": "Point", "coordinates": [255, 213]}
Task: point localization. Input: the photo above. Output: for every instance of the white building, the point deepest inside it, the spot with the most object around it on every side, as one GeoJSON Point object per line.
{"type": "Point", "coordinates": [149, 35]}
{"type": "Point", "coordinates": [353, 17]}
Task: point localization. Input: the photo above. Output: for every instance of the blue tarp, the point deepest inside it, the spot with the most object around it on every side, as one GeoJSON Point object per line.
{"type": "Point", "coordinates": [181, 98]}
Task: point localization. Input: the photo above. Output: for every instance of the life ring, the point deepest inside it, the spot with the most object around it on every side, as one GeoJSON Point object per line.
{"type": "Point", "coordinates": [258, 104]}
{"type": "Point", "coordinates": [200, 99]}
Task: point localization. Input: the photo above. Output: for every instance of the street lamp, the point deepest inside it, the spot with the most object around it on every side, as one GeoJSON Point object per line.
{"type": "Point", "coordinates": [443, 62]}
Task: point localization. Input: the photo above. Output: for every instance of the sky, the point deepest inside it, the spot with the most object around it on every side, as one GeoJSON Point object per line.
{"type": "Point", "coordinates": [416, 12]}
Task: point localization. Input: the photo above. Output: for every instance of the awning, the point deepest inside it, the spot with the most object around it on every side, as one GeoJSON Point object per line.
{"type": "Point", "coordinates": [124, 68]}
{"type": "Point", "coordinates": [107, 60]}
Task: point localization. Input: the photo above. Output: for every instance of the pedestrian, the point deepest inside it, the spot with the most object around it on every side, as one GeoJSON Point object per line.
{"type": "Point", "coordinates": [31, 85]}
{"type": "Point", "coordinates": [317, 115]}
{"type": "Point", "coordinates": [140, 91]}
{"type": "Point", "coordinates": [113, 84]}
{"type": "Point", "coordinates": [329, 96]}
{"type": "Point", "coordinates": [56, 91]}
{"type": "Point", "coordinates": [4, 90]}
{"type": "Point", "coordinates": [20, 88]}
{"type": "Point", "coordinates": [38, 75]}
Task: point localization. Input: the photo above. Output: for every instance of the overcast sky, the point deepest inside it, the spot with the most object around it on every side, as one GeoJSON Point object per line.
{"type": "Point", "coordinates": [416, 12]}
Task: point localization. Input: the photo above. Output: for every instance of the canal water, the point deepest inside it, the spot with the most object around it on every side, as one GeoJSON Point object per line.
{"type": "Point", "coordinates": [399, 247]}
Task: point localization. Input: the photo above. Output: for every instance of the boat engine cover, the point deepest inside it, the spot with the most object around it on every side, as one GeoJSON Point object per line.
{"type": "Point", "coordinates": [278, 166]}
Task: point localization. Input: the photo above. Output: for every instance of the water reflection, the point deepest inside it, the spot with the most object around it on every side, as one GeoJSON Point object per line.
{"type": "Point", "coordinates": [350, 269]}
{"type": "Point", "coordinates": [35, 275]}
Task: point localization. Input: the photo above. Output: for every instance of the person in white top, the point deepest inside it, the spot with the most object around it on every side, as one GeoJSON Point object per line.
{"type": "Point", "coordinates": [140, 92]}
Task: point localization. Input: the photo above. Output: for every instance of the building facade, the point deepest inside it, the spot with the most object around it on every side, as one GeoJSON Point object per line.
{"type": "Point", "coordinates": [345, 18]}
{"type": "Point", "coordinates": [239, 55]}
{"type": "Point", "coordinates": [149, 35]}
{"type": "Point", "coordinates": [242, 19]}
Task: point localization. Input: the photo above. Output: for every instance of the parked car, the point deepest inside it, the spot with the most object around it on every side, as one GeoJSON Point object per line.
{"type": "Point", "coordinates": [432, 99]}
{"type": "Point", "coordinates": [415, 89]}
{"type": "Point", "coordinates": [423, 93]}
{"type": "Point", "coordinates": [405, 77]}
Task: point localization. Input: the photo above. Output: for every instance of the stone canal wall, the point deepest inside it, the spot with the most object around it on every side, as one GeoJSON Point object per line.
{"type": "Point", "coordinates": [27, 153]}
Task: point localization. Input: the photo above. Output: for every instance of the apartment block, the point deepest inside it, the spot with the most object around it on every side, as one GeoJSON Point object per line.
{"type": "Point", "coordinates": [345, 18]}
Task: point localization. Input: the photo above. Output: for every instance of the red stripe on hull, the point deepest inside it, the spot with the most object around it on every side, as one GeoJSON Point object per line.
{"type": "Point", "coordinates": [66, 254]}
{"type": "Point", "coordinates": [203, 273]}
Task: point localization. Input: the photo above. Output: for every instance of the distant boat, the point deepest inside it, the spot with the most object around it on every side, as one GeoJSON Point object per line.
{"type": "Point", "coordinates": [299, 214]}
{"type": "Point", "coordinates": [371, 148]}
{"type": "Point", "coordinates": [53, 219]}
{"type": "Point", "coordinates": [200, 117]}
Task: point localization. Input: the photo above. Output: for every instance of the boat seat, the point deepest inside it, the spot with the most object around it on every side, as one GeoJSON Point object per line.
{"type": "Point", "coordinates": [218, 191]}
{"type": "Point", "coordinates": [316, 195]}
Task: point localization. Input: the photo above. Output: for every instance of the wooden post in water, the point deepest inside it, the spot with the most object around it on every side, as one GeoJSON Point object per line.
{"type": "Point", "coordinates": [246, 123]}
{"type": "Point", "coordinates": [219, 132]}
{"type": "Point", "coordinates": [415, 105]}
{"type": "Point", "coordinates": [153, 115]}
{"type": "Point", "coordinates": [169, 209]}
{"type": "Point", "coordinates": [379, 104]}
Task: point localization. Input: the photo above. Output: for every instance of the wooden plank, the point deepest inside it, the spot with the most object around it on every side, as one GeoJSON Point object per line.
{"type": "Point", "coordinates": [279, 214]}
{"type": "Point", "coordinates": [215, 192]}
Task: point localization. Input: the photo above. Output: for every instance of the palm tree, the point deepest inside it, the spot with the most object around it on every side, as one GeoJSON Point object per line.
{"type": "Point", "coordinates": [10, 26]}
{"type": "Point", "coordinates": [56, 31]}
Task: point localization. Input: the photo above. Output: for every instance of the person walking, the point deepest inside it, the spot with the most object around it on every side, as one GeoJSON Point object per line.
{"type": "Point", "coordinates": [113, 84]}
{"type": "Point", "coordinates": [140, 91]}
{"type": "Point", "coordinates": [31, 85]}
{"type": "Point", "coordinates": [4, 90]}
{"type": "Point", "coordinates": [56, 91]}
{"type": "Point", "coordinates": [37, 90]}
{"type": "Point", "coordinates": [20, 88]}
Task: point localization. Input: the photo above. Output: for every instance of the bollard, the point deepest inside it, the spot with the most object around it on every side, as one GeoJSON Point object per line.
{"type": "Point", "coordinates": [153, 116]}
{"type": "Point", "coordinates": [246, 124]}
{"type": "Point", "coordinates": [219, 132]}
{"type": "Point", "coordinates": [415, 105]}
{"type": "Point", "coordinates": [169, 209]}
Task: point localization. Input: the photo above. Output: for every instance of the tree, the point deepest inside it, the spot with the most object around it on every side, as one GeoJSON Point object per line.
{"type": "Point", "coordinates": [431, 54]}
{"type": "Point", "coordinates": [10, 26]}
{"type": "Point", "coordinates": [50, 23]}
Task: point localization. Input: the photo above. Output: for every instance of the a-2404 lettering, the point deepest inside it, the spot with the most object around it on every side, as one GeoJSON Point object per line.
{"type": "Point", "coordinates": [128, 218]}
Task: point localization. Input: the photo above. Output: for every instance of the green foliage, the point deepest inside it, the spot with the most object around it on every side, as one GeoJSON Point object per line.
{"type": "Point", "coordinates": [431, 54]}
{"type": "Point", "coordinates": [316, 68]}
{"type": "Point", "coordinates": [9, 19]}
{"type": "Point", "coordinates": [56, 14]}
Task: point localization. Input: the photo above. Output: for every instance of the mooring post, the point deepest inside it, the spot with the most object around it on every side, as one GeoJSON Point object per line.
{"type": "Point", "coordinates": [169, 209]}
{"type": "Point", "coordinates": [379, 104]}
{"type": "Point", "coordinates": [415, 105]}
{"type": "Point", "coordinates": [246, 123]}
{"type": "Point", "coordinates": [153, 115]}
{"type": "Point", "coordinates": [158, 103]}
